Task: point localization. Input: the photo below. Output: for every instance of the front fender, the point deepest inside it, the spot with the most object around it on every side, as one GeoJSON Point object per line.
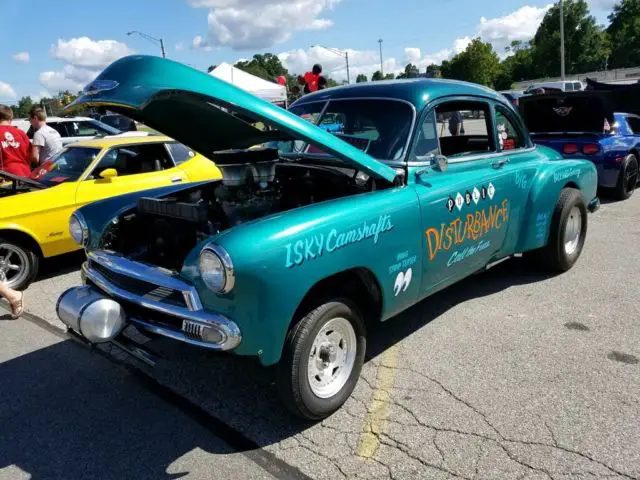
{"type": "Point", "coordinates": [278, 259]}
{"type": "Point", "coordinates": [543, 196]}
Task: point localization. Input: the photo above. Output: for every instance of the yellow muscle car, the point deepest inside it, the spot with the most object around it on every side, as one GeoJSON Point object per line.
{"type": "Point", "coordinates": [34, 213]}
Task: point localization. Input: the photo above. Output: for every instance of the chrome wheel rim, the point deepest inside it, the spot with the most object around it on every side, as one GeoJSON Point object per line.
{"type": "Point", "coordinates": [13, 265]}
{"type": "Point", "coordinates": [332, 357]}
{"type": "Point", "coordinates": [572, 231]}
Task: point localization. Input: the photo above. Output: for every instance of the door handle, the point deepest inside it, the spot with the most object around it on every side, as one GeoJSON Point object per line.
{"type": "Point", "coordinates": [500, 163]}
{"type": "Point", "coordinates": [176, 179]}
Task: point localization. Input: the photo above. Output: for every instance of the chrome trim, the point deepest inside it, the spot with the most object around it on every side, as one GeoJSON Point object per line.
{"type": "Point", "coordinates": [83, 226]}
{"type": "Point", "coordinates": [229, 272]}
{"type": "Point", "coordinates": [229, 330]}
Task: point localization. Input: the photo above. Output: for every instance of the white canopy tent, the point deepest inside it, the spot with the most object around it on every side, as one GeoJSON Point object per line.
{"type": "Point", "coordinates": [269, 91]}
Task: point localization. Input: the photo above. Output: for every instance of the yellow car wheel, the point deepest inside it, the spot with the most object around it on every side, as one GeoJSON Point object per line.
{"type": "Point", "coordinates": [18, 264]}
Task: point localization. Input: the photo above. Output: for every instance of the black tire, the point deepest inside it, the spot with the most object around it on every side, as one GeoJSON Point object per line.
{"type": "Point", "coordinates": [292, 371]}
{"type": "Point", "coordinates": [554, 256]}
{"type": "Point", "coordinates": [628, 178]}
{"type": "Point", "coordinates": [30, 259]}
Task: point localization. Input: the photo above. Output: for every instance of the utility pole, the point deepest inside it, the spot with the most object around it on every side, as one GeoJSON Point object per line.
{"type": "Point", "coordinates": [150, 39]}
{"type": "Point", "coordinates": [381, 69]}
{"type": "Point", "coordinates": [339, 53]}
{"type": "Point", "coordinates": [164, 55]}
{"type": "Point", "coordinates": [346, 56]}
{"type": "Point", "coordinates": [562, 69]}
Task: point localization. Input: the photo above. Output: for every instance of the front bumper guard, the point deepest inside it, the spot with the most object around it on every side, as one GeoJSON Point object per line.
{"type": "Point", "coordinates": [199, 327]}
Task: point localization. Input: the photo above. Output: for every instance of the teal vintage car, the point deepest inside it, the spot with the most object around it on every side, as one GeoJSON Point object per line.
{"type": "Point", "coordinates": [311, 236]}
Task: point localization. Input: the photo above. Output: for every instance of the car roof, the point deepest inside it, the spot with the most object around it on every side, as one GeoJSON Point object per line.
{"type": "Point", "coordinates": [107, 142]}
{"type": "Point", "coordinates": [68, 119]}
{"type": "Point", "coordinates": [416, 91]}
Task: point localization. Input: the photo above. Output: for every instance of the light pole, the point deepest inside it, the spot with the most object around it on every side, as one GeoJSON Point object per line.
{"type": "Point", "coordinates": [381, 70]}
{"type": "Point", "coordinates": [151, 39]}
{"type": "Point", "coordinates": [562, 70]}
{"type": "Point", "coordinates": [339, 53]}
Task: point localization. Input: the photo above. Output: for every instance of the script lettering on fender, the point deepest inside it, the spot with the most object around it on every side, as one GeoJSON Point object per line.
{"type": "Point", "coordinates": [472, 227]}
{"type": "Point", "coordinates": [315, 246]}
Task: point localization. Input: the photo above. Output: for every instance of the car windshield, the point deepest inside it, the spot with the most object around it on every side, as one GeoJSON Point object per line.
{"type": "Point", "coordinates": [66, 166]}
{"type": "Point", "coordinates": [377, 127]}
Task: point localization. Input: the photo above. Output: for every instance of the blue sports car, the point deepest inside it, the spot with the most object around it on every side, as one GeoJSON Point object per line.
{"type": "Point", "coordinates": [589, 125]}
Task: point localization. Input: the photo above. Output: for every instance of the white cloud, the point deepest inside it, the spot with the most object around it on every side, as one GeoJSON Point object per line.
{"type": "Point", "coordinates": [21, 57]}
{"type": "Point", "coordinates": [519, 25]}
{"type": "Point", "coordinates": [69, 78]}
{"type": "Point", "coordinates": [255, 24]}
{"type": "Point", "coordinates": [7, 91]}
{"type": "Point", "coordinates": [179, 46]}
{"type": "Point", "coordinates": [84, 58]}
{"type": "Point", "coordinates": [84, 52]}
{"type": "Point", "coordinates": [200, 43]}
{"type": "Point", "coordinates": [602, 4]}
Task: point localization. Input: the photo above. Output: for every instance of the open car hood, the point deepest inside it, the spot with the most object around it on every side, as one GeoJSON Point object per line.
{"type": "Point", "coordinates": [566, 112]}
{"type": "Point", "coordinates": [206, 113]}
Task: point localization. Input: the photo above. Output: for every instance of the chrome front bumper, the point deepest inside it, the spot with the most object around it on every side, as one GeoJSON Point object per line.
{"type": "Point", "coordinates": [155, 300]}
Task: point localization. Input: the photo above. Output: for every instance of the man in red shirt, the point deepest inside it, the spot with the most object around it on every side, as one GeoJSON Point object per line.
{"type": "Point", "coordinates": [15, 147]}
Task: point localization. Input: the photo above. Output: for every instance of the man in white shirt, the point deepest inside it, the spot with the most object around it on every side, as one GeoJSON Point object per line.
{"type": "Point", "coordinates": [46, 141]}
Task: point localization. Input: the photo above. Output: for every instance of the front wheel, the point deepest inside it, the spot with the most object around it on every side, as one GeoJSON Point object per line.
{"type": "Point", "coordinates": [567, 233]}
{"type": "Point", "coordinates": [18, 264]}
{"type": "Point", "coordinates": [628, 178]}
{"type": "Point", "coordinates": [322, 360]}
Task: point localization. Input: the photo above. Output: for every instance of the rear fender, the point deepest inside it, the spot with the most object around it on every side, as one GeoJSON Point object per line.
{"type": "Point", "coordinates": [544, 193]}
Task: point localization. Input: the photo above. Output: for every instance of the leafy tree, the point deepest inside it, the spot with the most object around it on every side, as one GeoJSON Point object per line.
{"type": "Point", "coordinates": [25, 104]}
{"type": "Point", "coordinates": [445, 69]}
{"type": "Point", "coordinates": [479, 63]}
{"type": "Point", "coordinates": [624, 32]}
{"type": "Point", "coordinates": [361, 78]}
{"type": "Point", "coordinates": [586, 44]}
{"type": "Point", "coordinates": [390, 76]}
{"type": "Point", "coordinates": [410, 71]}
{"type": "Point", "coordinates": [267, 66]}
{"type": "Point", "coordinates": [377, 76]}
{"type": "Point", "coordinates": [433, 71]}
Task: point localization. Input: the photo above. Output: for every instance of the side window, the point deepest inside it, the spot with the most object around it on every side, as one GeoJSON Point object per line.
{"type": "Point", "coordinates": [135, 159]}
{"type": "Point", "coordinates": [568, 87]}
{"type": "Point", "coordinates": [60, 128]}
{"type": "Point", "coordinates": [180, 152]}
{"type": "Point", "coordinates": [85, 129]}
{"type": "Point", "coordinates": [427, 139]}
{"type": "Point", "coordinates": [463, 128]}
{"type": "Point", "coordinates": [508, 135]}
{"type": "Point", "coordinates": [634, 125]}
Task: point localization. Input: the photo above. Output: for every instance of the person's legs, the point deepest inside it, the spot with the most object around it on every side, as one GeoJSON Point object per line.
{"type": "Point", "coordinates": [14, 298]}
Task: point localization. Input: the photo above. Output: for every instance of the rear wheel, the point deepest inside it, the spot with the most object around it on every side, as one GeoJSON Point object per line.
{"type": "Point", "coordinates": [567, 232]}
{"type": "Point", "coordinates": [18, 264]}
{"type": "Point", "coordinates": [322, 360]}
{"type": "Point", "coordinates": [628, 178]}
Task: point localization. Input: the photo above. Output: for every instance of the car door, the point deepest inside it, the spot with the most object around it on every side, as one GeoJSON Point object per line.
{"type": "Point", "coordinates": [137, 167]}
{"type": "Point", "coordinates": [467, 209]}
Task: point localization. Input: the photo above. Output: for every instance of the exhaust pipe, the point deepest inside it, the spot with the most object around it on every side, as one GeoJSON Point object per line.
{"type": "Point", "coordinates": [92, 315]}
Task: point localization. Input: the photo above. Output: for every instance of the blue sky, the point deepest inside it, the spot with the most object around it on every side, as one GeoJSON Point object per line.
{"type": "Point", "coordinates": [67, 46]}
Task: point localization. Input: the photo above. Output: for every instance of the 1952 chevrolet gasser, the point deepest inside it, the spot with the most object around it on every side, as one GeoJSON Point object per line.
{"type": "Point", "coordinates": [312, 236]}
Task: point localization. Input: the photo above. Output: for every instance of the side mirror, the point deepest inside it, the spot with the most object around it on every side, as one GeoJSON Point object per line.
{"type": "Point", "coordinates": [440, 163]}
{"type": "Point", "coordinates": [108, 173]}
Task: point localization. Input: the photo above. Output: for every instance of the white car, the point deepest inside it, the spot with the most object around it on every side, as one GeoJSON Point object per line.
{"type": "Point", "coordinates": [74, 129]}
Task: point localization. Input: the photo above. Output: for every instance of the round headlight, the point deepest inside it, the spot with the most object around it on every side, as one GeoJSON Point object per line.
{"type": "Point", "coordinates": [216, 269]}
{"type": "Point", "coordinates": [78, 229]}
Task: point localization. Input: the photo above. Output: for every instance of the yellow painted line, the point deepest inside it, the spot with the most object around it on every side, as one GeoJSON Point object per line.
{"type": "Point", "coordinates": [378, 408]}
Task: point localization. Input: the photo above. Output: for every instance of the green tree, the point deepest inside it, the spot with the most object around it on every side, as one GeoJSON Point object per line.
{"type": "Point", "coordinates": [410, 71]}
{"type": "Point", "coordinates": [624, 32]}
{"type": "Point", "coordinates": [361, 78]}
{"type": "Point", "coordinates": [25, 104]}
{"type": "Point", "coordinates": [479, 63]}
{"type": "Point", "coordinates": [377, 76]}
{"type": "Point", "coordinates": [445, 69]}
{"type": "Point", "coordinates": [267, 66]}
{"type": "Point", "coordinates": [586, 44]}
{"type": "Point", "coordinates": [433, 71]}
{"type": "Point", "coordinates": [390, 76]}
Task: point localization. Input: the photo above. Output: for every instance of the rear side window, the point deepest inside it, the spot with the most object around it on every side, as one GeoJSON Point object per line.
{"type": "Point", "coordinates": [463, 128]}
{"type": "Point", "coordinates": [60, 128]}
{"type": "Point", "coordinates": [634, 125]}
{"type": "Point", "coordinates": [180, 152]}
{"type": "Point", "coordinates": [509, 136]}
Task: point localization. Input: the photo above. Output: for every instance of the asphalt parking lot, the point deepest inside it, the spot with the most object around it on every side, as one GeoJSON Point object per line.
{"type": "Point", "coordinates": [509, 374]}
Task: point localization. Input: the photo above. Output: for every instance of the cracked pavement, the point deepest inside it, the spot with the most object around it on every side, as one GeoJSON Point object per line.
{"type": "Point", "coordinates": [509, 374]}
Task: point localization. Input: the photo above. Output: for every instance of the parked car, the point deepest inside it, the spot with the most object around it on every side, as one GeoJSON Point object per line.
{"type": "Point", "coordinates": [119, 122]}
{"type": "Point", "coordinates": [585, 124]}
{"type": "Point", "coordinates": [296, 250]}
{"type": "Point", "coordinates": [74, 129]}
{"type": "Point", "coordinates": [35, 212]}
{"type": "Point", "coordinates": [559, 85]}
{"type": "Point", "coordinates": [513, 96]}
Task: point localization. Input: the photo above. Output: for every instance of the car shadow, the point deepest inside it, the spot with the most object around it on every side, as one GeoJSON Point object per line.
{"type": "Point", "coordinates": [67, 414]}
{"type": "Point", "coordinates": [244, 395]}
{"type": "Point", "coordinates": [60, 265]}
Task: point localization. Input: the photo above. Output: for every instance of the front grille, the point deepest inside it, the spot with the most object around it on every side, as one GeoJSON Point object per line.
{"type": "Point", "coordinates": [140, 287]}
